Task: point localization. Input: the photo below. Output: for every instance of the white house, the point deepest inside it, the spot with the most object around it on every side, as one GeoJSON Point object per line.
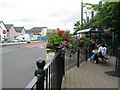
{"type": "Point", "coordinates": [37, 31]}
{"type": "Point", "coordinates": [20, 31]}
{"type": "Point", "coordinates": [3, 31]}
{"type": "Point", "coordinates": [11, 32]}
{"type": "Point", "coordinates": [44, 31]}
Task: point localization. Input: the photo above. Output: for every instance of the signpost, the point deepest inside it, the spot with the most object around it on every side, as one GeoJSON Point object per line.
{"type": "Point", "coordinates": [4, 32]}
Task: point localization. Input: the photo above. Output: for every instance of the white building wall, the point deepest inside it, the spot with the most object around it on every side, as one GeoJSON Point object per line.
{"type": "Point", "coordinates": [12, 33]}
{"type": "Point", "coordinates": [18, 34]}
{"type": "Point", "coordinates": [23, 32]}
{"type": "Point", "coordinates": [44, 31]}
{"type": "Point", "coordinates": [2, 27]}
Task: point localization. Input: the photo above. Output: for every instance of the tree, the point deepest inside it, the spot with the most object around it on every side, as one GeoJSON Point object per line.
{"type": "Point", "coordinates": [107, 16]}
{"type": "Point", "coordinates": [77, 27]}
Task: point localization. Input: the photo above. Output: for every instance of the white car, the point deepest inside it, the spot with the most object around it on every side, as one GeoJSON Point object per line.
{"type": "Point", "coordinates": [21, 39]}
{"type": "Point", "coordinates": [24, 38]}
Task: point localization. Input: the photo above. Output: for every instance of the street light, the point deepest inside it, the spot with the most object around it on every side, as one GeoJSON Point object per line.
{"type": "Point", "coordinates": [81, 14]}
{"type": "Point", "coordinates": [86, 15]}
{"type": "Point", "coordinates": [92, 14]}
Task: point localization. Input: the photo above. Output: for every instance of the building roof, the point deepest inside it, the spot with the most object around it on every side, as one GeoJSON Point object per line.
{"type": "Point", "coordinates": [8, 26]}
{"type": "Point", "coordinates": [1, 21]}
{"type": "Point", "coordinates": [19, 29]}
{"type": "Point", "coordinates": [35, 30]}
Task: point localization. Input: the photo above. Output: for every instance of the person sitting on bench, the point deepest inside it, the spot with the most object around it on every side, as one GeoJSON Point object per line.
{"type": "Point", "coordinates": [100, 53]}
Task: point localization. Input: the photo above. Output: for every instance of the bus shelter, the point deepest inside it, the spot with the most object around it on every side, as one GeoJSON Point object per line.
{"type": "Point", "coordinates": [98, 33]}
{"type": "Point", "coordinates": [91, 33]}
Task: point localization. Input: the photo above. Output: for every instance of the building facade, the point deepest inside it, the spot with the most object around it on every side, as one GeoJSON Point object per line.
{"type": "Point", "coordinates": [11, 32]}
{"type": "Point", "coordinates": [3, 31]}
{"type": "Point", "coordinates": [20, 31]}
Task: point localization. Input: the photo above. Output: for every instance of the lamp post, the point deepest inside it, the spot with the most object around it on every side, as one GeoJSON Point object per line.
{"type": "Point", "coordinates": [81, 14]}
{"type": "Point", "coordinates": [86, 16]}
{"type": "Point", "coordinates": [92, 14]}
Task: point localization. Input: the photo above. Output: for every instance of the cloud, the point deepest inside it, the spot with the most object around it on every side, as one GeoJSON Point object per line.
{"type": "Point", "coordinates": [50, 13]}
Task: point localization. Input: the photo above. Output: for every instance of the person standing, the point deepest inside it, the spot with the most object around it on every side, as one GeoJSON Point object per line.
{"type": "Point", "coordinates": [92, 47]}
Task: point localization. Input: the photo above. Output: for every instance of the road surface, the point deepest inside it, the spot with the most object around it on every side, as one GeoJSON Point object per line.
{"type": "Point", "coordinates": [19, 64]}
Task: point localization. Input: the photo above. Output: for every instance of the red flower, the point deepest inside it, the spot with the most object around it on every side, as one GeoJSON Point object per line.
{"type": "Point", "coordinates": [59, 31]}
{"type": "Point", "coordinates": [65, 38]}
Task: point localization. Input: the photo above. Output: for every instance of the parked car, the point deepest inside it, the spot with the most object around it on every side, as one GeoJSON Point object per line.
{"type": "Point", "coordinates": [21, 39]}
{"type": "Point", "coordinates": [6, 39]}
{"type": "Point", "coordinates": [24, 38]}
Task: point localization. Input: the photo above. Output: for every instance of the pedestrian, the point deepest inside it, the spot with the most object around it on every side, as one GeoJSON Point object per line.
{"type": "Point", "coordinates": [91, 48]}
{"type": "Point", "coordinates": [100, 53]}
{"type": "Point", "coordinates": [93, 44]}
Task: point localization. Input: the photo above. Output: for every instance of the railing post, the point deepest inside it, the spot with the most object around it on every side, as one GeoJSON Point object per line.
{"type": "Point", "coordinates": [78, 54]}
{"type": "Point", "coordinates": [63, 63]}
{"type": "Point", "coordinates": [117, 66]}
{"type": "Point", "coordinates": [58, 72]}
{"type": "Point", "coordinates": [40, 73]}
{"type": "Point", "coordinates": [86, 53]}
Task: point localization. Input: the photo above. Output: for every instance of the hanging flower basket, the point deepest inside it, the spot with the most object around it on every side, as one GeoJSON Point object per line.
{"type": "Point", "coordinates": [56, 41]}
{"type": "Point", "coordinates": [62, 40]}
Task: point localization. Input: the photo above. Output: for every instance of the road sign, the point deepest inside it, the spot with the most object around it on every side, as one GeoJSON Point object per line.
{"type": "Point", "coordinates": [4, 31]}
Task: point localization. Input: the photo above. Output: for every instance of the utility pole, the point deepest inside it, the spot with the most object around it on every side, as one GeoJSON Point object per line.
{"type": "Point", "coordinates": [86, 16]}
{"type": "Point", "coordinates": [81, 14]}
{"type": "Point", "coordinates": [92, 14]}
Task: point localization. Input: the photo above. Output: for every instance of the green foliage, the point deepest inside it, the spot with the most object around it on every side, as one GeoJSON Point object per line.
{"type": "Point", "coordinates": [75, 43]}
{"type": "Point", "coordinates": [55, 39]}
{"type": "Point", "coordinates": [86, 41]}
{"type": "Point", "coordinates": [107, 16]}
{"type": "Point", "coordinates": [77, 27]}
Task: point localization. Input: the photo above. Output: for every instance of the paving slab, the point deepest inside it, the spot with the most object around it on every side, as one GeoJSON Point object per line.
{"type": "Point", "coordinates": [91, 75]}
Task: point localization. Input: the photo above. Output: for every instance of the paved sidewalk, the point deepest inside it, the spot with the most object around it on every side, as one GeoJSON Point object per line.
{"type": "Point", "coordinates": [12, 43]}
{"type": "Point", "coordinates": [91, 75]}
{"type": "Point", "coordinates": [15, 43]}
{"type": "Point", "coordinates": [49, 56]}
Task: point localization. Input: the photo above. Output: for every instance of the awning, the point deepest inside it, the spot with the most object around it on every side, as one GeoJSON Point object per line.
{"type": "Point", "coordinates": [83, 31]}
{"type": "Point", "coordinates": [90, 30]}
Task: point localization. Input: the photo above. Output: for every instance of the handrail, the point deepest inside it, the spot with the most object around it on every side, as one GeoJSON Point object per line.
{"type": "Point", "coordinates": [49, 63]}
{"type": "Point", "coordinates": [35, 79]}
{"type": "Point", "coordinates": [50, 75]}
{"type": "Point", "coordinates": [31, 84]}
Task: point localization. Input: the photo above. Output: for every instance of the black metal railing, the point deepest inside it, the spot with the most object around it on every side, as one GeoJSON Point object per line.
{"type": "Point", "coordinates": [49, 76]}
{"type": "Point", "coordinates": [70, 60]}
{"type": "Point", "coordinates": [117, 65]}
{"type": "Point", "coordinates": [82, 55]}
{"type": "Point", "coordinates": [76, 58]}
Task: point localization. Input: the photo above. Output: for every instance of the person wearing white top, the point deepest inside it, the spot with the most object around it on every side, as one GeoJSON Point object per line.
{"type": "Point", "coordinates": [100, 53]}
{"type": "Point", "coordinates": [102, 49]}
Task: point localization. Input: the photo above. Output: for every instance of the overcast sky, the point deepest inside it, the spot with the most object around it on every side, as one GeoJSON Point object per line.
{"type": "Point", "coordinates": [41, 13]}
